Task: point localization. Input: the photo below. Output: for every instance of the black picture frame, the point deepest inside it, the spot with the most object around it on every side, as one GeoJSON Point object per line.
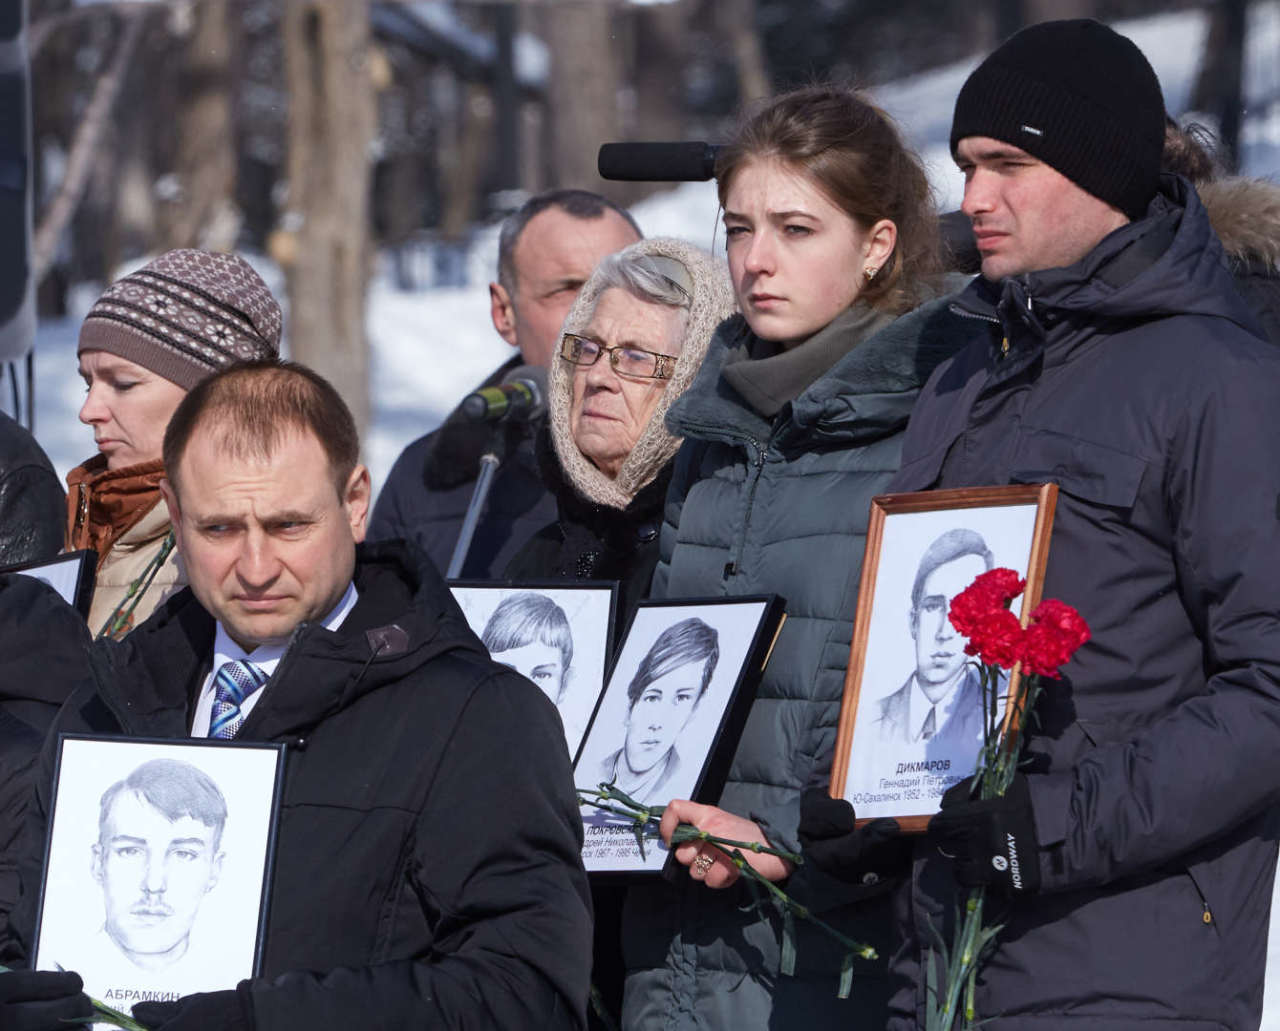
{"type": "Point", "coordinates": [589, 610]}
{"type": "Point", "coordinates": [73, 585]}
{"type": "Point", "coordinates": [80, 780]}
{"type": "Point", "coordinates": [747, 629]}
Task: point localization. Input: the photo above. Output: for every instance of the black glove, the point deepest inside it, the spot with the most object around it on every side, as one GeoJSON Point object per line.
{"type": "Point", "coordinates": [832, 843]}
{"type": "Point", "coordinates": [204, 1011]}
{"type": "Point", "coordinates": [992, 842]}
{"type": "Point", "coordinates": [41, 1000]}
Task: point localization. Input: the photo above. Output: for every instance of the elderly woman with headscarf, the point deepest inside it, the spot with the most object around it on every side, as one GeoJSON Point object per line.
{"type": "Point", "coordinates": [632, 344]}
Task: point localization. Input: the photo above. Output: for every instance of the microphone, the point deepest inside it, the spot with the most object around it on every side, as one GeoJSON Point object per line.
{"type": "Point", "coordinates": [657, 162]}
{"type": "Point", "coordinates": [520, 397]}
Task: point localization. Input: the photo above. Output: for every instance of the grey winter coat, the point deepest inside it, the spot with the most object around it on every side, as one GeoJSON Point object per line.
{"type": "Point", "coordinates": [778, 506]}
{"type": "Point", "coordinates": [1135, 381]}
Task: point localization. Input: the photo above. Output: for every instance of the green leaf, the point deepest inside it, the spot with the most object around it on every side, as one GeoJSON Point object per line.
{"type": "Point", "coordinates": [846, 976]}
{"type": "Point", "coordinates": [788, 963]}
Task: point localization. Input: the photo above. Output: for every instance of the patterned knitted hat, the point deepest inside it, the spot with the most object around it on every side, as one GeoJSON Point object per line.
{"type": "Point", "coordinates": [186, 315]}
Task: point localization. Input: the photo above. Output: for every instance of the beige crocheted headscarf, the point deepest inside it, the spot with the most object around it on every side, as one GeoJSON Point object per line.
{"type": "Point", "coordinates": [712, 302]}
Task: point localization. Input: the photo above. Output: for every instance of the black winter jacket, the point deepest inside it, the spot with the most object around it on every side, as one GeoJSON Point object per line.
{"type": "Point", "coordinates": [427, 869]}
{"type": "Point", "coordinates": [430, 485]}
{"type": "Point", "coordinates": [33, 507]}
{"type": "Point", "coordinates": [589, 541]}
{"type": "Point", "coordinates": [44, 656]}
{"type": "Point", "coordinates": [1135, 381]}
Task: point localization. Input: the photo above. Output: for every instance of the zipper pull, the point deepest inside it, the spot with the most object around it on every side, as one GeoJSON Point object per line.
{"type": "Point", "coordinates": [1208, 916]}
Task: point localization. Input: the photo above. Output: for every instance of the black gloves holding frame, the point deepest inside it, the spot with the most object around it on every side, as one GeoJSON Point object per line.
{"type": "Point", "coordinates": [992, 842]}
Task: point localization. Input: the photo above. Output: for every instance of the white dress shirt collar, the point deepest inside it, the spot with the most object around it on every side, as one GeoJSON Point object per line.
{"type": "Point", "coordinates": [266, 657]}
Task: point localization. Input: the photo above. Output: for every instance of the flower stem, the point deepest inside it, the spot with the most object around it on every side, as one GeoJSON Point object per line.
{"type": "Point", "coordinates": [645, 819]}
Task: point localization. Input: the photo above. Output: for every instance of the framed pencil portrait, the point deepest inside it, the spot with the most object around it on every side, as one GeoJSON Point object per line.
{"type": "Point", "coordinates": [670, 717]}
{"type": "Point", "coordinates": [157, 864]}
{"type": "Point", "coordinates": [912, 721]}
{"type": "Point", "coordinates": [557, 634]}
{"type": "Point", "coordinates": [72, 575]}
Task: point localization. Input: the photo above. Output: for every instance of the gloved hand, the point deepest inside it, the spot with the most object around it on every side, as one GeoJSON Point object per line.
{"type": "Point", "coordinates": [832, 843]}
{"type": "Point", "coordinates": [41, 1000]}
{"type": "Point", "coordinates": [204, 1011]}
{"type": "Point", "coordinates": [992, 842]}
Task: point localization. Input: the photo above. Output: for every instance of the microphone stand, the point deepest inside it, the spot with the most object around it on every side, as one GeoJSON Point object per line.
{"type": "Point", "coordinates": [508, 409]}
{"type": "Point", "coordinates": [489, 462]}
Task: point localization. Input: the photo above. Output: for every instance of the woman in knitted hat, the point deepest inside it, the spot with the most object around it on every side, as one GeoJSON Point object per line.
{"type": "Point", "coordinates": [632, 343]}
{"type": "Point", "coordinates": [150, 338]}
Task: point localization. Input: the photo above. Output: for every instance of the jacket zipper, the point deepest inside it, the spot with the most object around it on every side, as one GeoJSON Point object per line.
{"type": "Point", "coordinates": [82, 515]}
{"type": "Point", "coordinates": [731, 567]}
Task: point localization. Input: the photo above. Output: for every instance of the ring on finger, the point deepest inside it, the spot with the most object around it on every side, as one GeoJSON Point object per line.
{"type": "Point", "coordinates": [703, 863]}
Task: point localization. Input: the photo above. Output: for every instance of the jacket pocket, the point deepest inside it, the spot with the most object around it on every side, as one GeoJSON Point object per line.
{"type": "Point", "coordinates": [1093, 472]}
{"type": "Point", "coordinates": [919, 473]}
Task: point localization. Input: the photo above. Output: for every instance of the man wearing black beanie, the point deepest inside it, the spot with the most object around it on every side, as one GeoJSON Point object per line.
{"type": "Point", "coordinates": [1130, 864]}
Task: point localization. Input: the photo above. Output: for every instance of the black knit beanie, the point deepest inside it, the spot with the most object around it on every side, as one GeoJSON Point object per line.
{"type": "Point", "coordinates": [1080, 97]}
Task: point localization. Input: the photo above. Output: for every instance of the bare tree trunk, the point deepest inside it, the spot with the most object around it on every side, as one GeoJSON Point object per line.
{"type": "Point", "coordinates": [583, 96]}
{"type": "Point", "coordinates": [203, 213]}
{"type": "Point", "coordinates": [737, 19]}
{"type": "Point", "coordinates": [662, 44]}
{"type": "Point", "coordinates": [331, 124]}
{"type": "Point", "coordinates": [1219, 88]}
{"type": "Point", "coordinates": [84, 148]}
{"type": "Point", "coordinates": [466, 162]}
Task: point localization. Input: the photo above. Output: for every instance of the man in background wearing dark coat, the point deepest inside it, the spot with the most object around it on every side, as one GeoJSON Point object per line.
{"type": "Point", "coordinates": [1123, 366]}
{"type": "Point", "coordinates": [546, 251]}
{"type": "Point", "coordinates": [427, 869]}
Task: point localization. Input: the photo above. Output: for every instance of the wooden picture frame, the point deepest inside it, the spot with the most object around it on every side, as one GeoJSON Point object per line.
{"type": "Point", "coordinates": [158, 862]}
{"type": "Point", "coordinates": [742, 631]}
{"type": "Point", "coordinates": [922, 549]}
{"type": "Point", "coordinates": [569, 622]}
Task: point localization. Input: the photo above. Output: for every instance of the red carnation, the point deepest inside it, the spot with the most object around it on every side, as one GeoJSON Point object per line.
{"type": "Point", "coordinates": [992, 591]}
{"type": "Point", "coordinates": [1006, 584]}
{"type": "Point", "coordinates": [1056, 631]}
{"type": "Point", "coordinates": [997, 639]}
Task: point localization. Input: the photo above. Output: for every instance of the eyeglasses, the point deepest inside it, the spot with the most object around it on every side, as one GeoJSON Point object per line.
{"type": "Point", "coordinates": [634, 362]}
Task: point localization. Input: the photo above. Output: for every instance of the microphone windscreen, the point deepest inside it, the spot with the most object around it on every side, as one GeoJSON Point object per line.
{"type": "Point", "coordinates": [657, 162]}
{"type": "Point", "coordinates": [534, 377]}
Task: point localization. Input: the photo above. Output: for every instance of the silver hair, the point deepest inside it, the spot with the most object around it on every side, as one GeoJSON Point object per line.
{"type": "Point", "coordinates": [650, 277]}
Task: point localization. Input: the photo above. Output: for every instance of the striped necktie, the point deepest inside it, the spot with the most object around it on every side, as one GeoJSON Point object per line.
{"type": "Point", "coordinates": [235, 681]}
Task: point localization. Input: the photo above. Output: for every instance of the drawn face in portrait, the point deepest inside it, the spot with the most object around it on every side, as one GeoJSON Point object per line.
{"type": "Point", "coordinates": [539, 662]}
{"type": "Point", "coordinates": [658, 716]}
{"type": "Point", "coordinates": [940, 657]}
{"type": "Point", "coordinates": [154, 873]}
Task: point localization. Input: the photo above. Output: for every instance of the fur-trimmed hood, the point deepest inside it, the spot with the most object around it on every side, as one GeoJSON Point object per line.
{"type": "Point", "coordinates": [1245, 214]}
{"type": "Point", "coordinates": [712, 303]}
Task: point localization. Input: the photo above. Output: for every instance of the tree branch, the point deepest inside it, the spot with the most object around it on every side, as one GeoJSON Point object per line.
{"type": "Point", "coordinates": [39, 32]}
{"type": "Point", "coordinates": [86, 145]}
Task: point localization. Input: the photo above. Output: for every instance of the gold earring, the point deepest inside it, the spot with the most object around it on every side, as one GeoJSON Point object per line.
{"type": "Point", "coordinates": [870, 272]}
